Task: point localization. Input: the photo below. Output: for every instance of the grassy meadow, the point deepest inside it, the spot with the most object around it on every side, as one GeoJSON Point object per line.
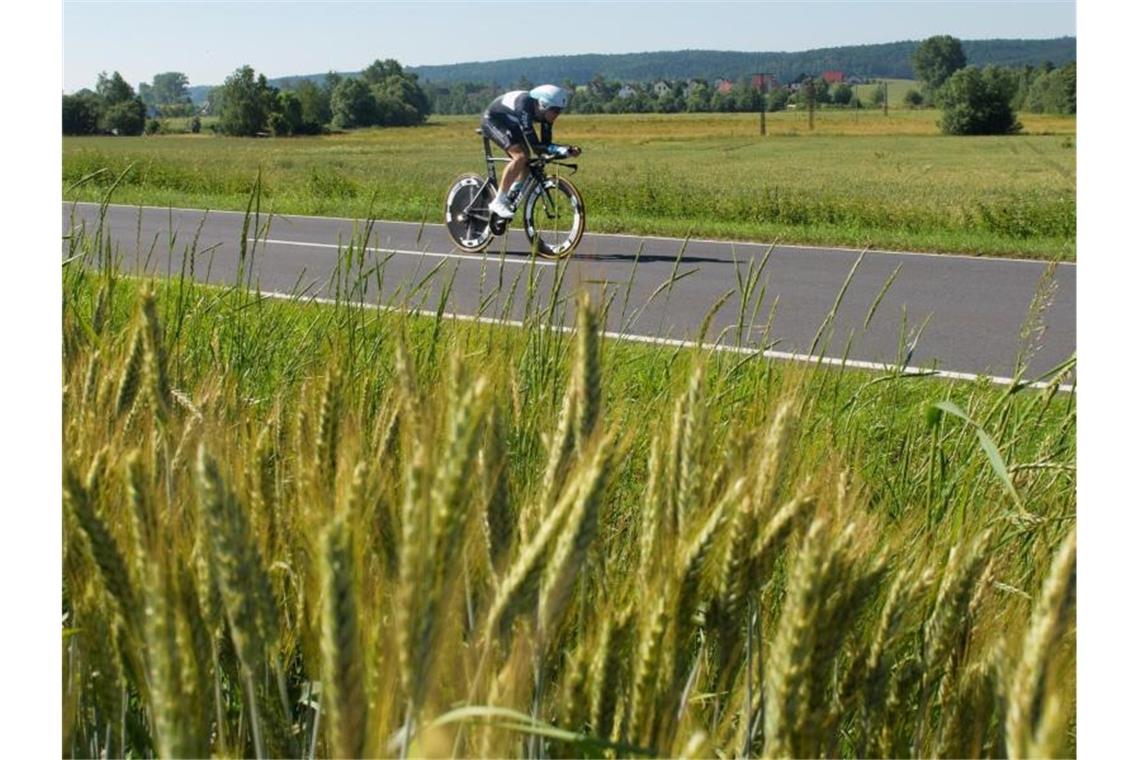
{"type": "Point", "coordinates": [896, 91]}
{"type": "Point", "coordinates": [858, 179]}
{"type": "Point", "coordinates": [336, 530]}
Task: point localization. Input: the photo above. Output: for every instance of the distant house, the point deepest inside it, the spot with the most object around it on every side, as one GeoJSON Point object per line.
{"type": "Point", "coordinates": [855, 80]}
{"type": "Point", "coordinates": [626, 91]}
{"type": "Point", "coordinates": [764, 82]}
{"type": "Point", "coordinates": [833, 77]}
{"type": "Point", "coordinates": [661, 87]}
{"type": "Point", "coordinates": [724, 86]}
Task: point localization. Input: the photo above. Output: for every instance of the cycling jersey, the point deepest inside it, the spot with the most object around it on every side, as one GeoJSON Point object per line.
{"type": "Point", "coordinates": [510, 120]}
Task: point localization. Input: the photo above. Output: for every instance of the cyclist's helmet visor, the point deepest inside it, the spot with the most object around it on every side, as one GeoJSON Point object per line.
{"type": "Point", "coordinates": [551, 97]}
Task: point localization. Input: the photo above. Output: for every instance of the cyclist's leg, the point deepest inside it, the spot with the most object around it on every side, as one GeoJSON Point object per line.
{"type": "Point", "coordinates": [516, 169]}
{"type": "Point", "coordinates": [508, 136]}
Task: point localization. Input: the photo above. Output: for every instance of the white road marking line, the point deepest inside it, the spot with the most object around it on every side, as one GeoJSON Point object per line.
{"type": "Point", "coordinates": [782, 355]}
{"type": "Point", "coordinates": [768, 354]}
{"type": "Point", "coordinates": [761, 244]}
{"type": "Point", "coordinates": [406, 252]}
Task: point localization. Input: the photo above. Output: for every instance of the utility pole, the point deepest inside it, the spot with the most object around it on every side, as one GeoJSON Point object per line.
{"type": "Point", "coordinates": [885, 98]}
{"type": "Point", "coordinates": [809, 93]}
{"type": "Point", "coordinates": [765, 77]}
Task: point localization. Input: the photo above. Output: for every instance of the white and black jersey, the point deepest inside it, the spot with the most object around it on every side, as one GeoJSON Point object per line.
{"type": "Point", "coordinates": [510, 120]}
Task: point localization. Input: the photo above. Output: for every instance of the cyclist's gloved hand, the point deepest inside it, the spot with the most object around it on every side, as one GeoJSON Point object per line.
{"type": "Point", "coordinates": [560, 151]}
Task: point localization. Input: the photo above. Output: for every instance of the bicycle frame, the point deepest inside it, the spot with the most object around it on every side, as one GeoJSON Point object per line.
{"type": "Point", "coordinates": [535, 178]}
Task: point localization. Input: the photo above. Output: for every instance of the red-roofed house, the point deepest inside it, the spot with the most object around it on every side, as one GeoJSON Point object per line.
{"type": "Point", "coordinates": [725, 86]}
{"type": "Point", "coordinates": [764, 82]}
{"type": "Point", "coordinates": [833, 77]}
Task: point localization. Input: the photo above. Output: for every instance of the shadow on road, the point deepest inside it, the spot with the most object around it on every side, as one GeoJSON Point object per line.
{"type": "Point", "coordinates": [645, 258]}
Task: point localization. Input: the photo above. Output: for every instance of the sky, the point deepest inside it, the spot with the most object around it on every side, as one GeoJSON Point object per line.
{"type": "Point", "coordinates": [208, 40]}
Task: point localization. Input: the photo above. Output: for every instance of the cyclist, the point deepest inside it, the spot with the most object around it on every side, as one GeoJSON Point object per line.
{"type": "Point", "coordinates": [509, 123]}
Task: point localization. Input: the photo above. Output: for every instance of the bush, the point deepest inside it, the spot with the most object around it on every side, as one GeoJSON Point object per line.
{"type": "Point", "coordinates": [126, 117]}
{"type": "Point", "coordinates": [977, 103]}
{"type": "Point", "coordinates": [913, 98]}
{"type": "Point", "coordinates": [153, 126]}
{"type": "Point", "coordinates": [195, 125]}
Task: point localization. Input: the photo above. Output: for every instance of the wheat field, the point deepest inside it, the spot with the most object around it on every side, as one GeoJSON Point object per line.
{"type": "Point", "coordinates": [341, 531]}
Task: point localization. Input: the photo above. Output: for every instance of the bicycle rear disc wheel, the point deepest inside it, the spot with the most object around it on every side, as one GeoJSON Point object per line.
{"type": "Point", "coordinates": [466, 215]}
{"type": "Point", "coordinates": [555, 218]}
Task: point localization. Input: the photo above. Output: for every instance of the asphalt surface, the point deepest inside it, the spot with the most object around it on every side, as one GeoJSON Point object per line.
{"type": "Point", "coordinates": [957, 314]}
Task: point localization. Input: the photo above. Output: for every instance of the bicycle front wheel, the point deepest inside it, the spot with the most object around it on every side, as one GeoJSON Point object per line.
{"type": "Point", "coordinates": [465, 212]}
{"type": "Point", "coordinates": [555, 218]}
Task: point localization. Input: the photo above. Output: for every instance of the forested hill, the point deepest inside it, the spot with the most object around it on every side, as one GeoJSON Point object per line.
{"type": "Point", "coordinates": [885, 60]}
{"type": "Point", "coordinates": [890, 59]}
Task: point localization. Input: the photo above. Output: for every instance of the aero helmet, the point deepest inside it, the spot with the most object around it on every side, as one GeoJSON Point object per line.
{"type": "Point", "coordinates": [550, 96]}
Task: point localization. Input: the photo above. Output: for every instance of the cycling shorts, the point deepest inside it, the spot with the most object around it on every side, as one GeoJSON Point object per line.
{"type": "Point", "coordinates": [504, 131]}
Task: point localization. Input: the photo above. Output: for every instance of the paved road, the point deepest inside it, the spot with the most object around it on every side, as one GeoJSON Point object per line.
{"type": "Point", "coordinates": [972, 308]}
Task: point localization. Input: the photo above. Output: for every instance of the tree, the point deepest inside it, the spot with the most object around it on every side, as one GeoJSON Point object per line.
{"type": "Point", "coordinates": [113, 89]}
{"type": "Point", "coordinates": [749, 99]}
{"type": "Point", "coordinates": [246, 102]}
{"type": "Point", "coordinates": [392, 111]}
{"type": "Point", "coordinates": [315, 107]}
{"type": "Point", "coordinates": [1053, 91]}
{"type": "Point", "coordinates": [822, 91]}
{"type": "Point", "coordinates": [170, 88]}
{"type": "Point", "coordinates": [81, 113]}
{"type": "Point", "coordinates": [127, 117]}
{"type": "Point", "coordinates": [167, 94]}
{"type": "Point", "coordinates": [121, 112]}
{"type": "Point", "coordinates": [377, 71]}
{"type": "Point", "coordinates": [286, 118]}
{"type": "Point", "coordinates": [936, 59]}
{"type": "Point", "coordinates": [913, 98]}
{"type": "Point", "coordinates": [352, 104]}
{"type": "Point", "coordinates": [778, 100]}
{"type": "Point", "coordinates": [405, 89]}
{"type": "Point", "coordinates": [977, 103]}
{"type": "Point", "coordinates": [699, 98]}
{"type": "Point", "coordinates": [399, 99]}
{"type": "Point", "coordinates": [842, 95]}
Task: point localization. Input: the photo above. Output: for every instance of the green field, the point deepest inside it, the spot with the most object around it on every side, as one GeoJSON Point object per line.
{"type": "Point", "coordinates": [857, 179]}
{"type": "Point", "coordinates": [896, 91]}
{"type": "Point", "coordinates": [344, 531]}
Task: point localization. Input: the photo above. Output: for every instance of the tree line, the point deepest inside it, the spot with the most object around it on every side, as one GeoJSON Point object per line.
{"type": "Point", "coordinates": [973, 100]}
{"type": "Point", "coordinates": [384, 94]}
{"type": "Point", "coordinates": [883, 60]}
{"type": "Point", "coordinates": [600, 95]}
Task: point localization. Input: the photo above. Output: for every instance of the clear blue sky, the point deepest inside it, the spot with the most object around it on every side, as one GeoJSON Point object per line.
{"type": "Point", "coordinates": [208, 40]}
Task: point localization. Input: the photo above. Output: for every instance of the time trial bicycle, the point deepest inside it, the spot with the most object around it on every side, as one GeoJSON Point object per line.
{"type": "Point", "coordinates": [553, 213]}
